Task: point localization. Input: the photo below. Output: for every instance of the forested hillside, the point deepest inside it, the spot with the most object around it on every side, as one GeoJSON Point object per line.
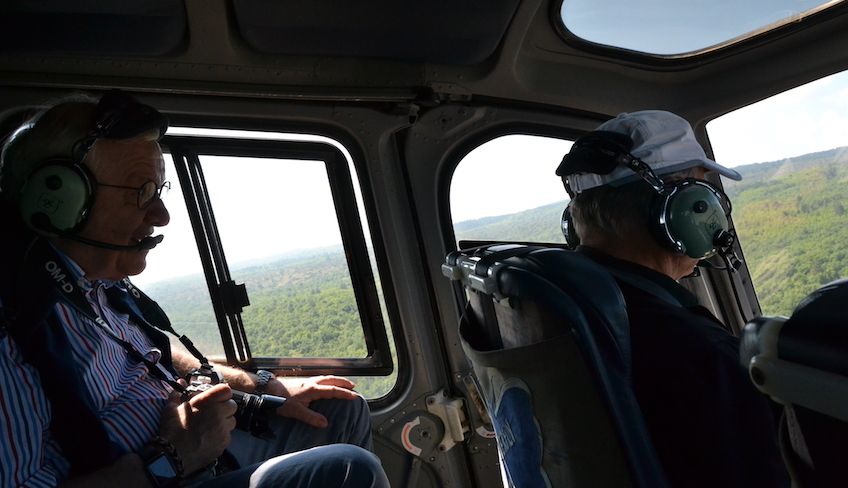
{"type": "Point", "coordinates": [790, 214]}
{"type": "Point", "coordinates": [539, 225]}
{"type": "Point", "coordinates": [792, 224]}
{"type": "Point", "coordinates": [300, 306]}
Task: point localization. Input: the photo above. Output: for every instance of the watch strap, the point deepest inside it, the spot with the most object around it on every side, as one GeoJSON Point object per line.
{"type": "Point", "coordinates": [262, 378]}
{"type": "Point", "coordinates": [162, 464]}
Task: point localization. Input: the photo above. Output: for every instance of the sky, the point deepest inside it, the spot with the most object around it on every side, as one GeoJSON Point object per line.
{"type": "Point", "coordinates": [675, 26]}
{"type": "Point", "coordinates": [266, 208]}
{"type": "Point", "coordinates": [263, 207]}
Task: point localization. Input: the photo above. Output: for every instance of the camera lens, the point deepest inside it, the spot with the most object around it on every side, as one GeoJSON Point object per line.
{"type": "Point", "coordinates": [254, 411]}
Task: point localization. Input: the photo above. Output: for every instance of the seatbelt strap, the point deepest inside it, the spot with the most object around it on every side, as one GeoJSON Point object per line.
{"type": "Point", "coordinates": [44, 345]}
{"type": "Point", "coordinates": [40, 282]}
{"type": "Point", "coordinates": [150, 315]}
{"type": "Point", "coordinates": [43, 259]}
{"type": "Point", "coordinates": [645, 285]}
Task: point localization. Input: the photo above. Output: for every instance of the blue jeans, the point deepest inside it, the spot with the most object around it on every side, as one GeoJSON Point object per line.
{"type": "Point", "coordinates": [304, 456]}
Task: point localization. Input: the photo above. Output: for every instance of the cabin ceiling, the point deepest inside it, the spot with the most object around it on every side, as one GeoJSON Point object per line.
{"type": "Point", "coordinates": [382, 50]}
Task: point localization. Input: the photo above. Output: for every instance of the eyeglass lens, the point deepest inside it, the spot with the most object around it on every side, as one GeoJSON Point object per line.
{"type": "Point", "coordinates": [149, 192]}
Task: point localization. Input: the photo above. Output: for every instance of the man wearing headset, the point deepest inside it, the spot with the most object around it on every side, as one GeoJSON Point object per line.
{"type": "Point", "coordinates": [642, 208]}
{"type": "Point", "coordinates": [88, 387]}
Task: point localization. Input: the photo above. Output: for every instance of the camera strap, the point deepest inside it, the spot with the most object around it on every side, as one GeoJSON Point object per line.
{"type": "Point", "coordinates": [53, 269]}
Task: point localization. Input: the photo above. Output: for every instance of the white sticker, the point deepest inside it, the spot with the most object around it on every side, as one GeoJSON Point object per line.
{"type": "Point", "coordinates": [404, 437]}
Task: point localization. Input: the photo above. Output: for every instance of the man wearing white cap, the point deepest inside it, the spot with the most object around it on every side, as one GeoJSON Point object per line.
{"type": "Point", "coordinates": [641, 207]}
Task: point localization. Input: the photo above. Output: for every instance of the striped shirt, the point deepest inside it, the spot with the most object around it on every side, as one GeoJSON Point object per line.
{"type": "Point", "coordinates": [129, 401]}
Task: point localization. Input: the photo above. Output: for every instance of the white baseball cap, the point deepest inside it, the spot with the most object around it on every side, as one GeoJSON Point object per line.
{"type": "Point", "coordinates": [663, 140]}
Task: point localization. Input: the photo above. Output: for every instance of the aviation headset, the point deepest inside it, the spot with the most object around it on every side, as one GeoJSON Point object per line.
{"type": "Point", "coordinates": [55, 196]}
{"type": "Point", "coordinates": [689, 216]}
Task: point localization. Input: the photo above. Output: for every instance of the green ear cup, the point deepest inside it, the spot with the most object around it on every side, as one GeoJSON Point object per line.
{"type": "Point", "coordinates": [572, 240]}
{"type": "Point", "coordinates": [693, 216]}
{"type": "Point", "coordinates": [55, 198]}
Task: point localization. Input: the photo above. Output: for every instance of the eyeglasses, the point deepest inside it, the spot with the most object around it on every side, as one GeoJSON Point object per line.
{"type": "Point", "coordinates": [147, 193]}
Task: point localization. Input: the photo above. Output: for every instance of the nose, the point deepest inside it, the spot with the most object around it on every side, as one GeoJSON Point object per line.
{"type": "Point", "coordinates": [157, 214]}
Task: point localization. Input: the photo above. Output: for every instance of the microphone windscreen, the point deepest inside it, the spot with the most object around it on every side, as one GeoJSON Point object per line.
{"type": "Point", "coordinates": [150, 242]}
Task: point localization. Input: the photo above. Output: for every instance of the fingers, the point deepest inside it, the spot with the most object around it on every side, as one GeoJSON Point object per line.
{"type": "Point", "coordinates": [218, 393]}
{"type": "Point", "coordinates": [176, 396]}
{"type": "Point", "coordinates": [322, 392]}
{"type": "Point", "coordinates": [231, 408]}
{"type": "Point", "coordinates": [300, 412]}
{"type": "Point", "coordinates": [335, 381]}
{"type": "Point", "coordinates": [230, 423]}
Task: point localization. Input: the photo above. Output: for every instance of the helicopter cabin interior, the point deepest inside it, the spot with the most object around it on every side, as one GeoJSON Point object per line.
{"type": "Point", "coordinates": [325, 157]}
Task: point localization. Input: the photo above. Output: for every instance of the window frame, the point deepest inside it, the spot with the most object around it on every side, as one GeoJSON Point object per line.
{"type": "Point", "coordinates": [228, 298]}
{"type": "Point", "coordinates": [693, 58]}
{"type": "Point", "coordinates": [714, 287]}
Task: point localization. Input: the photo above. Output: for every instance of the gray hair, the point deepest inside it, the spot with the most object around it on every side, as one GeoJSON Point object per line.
{"type": "Point", "coordinates": [615, 212]}
{"type": "Point", "coordinates": [51, 133]}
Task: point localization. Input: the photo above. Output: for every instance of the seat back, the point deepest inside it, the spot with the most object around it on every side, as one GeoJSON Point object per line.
{"type": "Point", "coordinates": [547, 333]}
{"type": "Point", "coordinates": [802, 363]}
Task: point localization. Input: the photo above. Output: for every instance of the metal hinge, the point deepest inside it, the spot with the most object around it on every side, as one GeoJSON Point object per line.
{"type": "Point", "coordinates": [451, 411]}
{"type": "Point", "coordinates": [233, 297]}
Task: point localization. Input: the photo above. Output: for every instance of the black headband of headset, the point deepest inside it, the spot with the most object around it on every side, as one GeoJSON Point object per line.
{"type": "Point", "coordinates": [600, 152]}
{"type": "Point", "coordinates": [597, 152]}
{"type": "Point", "coordinates": [120, 116]}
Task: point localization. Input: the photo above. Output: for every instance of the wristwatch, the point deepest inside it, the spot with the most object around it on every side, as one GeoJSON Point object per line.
{"type": "Point", "coordinates": [263, 377]}
{"type": "Point", "coordinates": [161, 463]}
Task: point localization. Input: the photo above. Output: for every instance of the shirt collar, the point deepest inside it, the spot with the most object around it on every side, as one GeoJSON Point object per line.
{"type": "Point", "coordinates": [684, 296]}
{"type": "Point", "coordinates": [79, 274]}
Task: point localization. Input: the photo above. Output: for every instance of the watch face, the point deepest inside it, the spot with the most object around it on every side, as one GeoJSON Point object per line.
{"type": "Point", "coordinates": [162, 469]}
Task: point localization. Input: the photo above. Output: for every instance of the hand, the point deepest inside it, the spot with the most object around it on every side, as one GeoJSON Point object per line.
{"type": "Point", "coordinates": [199, 428]}
{"type": "Point", "coordinates": [300, 392]}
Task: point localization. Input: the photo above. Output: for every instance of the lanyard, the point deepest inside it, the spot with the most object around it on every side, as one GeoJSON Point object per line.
{"type": "Point", "coordinates": [131, 301]}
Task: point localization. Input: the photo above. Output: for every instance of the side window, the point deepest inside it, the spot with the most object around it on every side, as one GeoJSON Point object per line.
{"type": "Point", "coordinates": [279, 230]}
{"type": "Point", "coordinates": [174, 276]}
{"type": "Point", "coordinates": [790, 207]}
{"type": "Point", "coordinates": [286, 221]}
{"type": "Point", "coordinates": [506, 190]}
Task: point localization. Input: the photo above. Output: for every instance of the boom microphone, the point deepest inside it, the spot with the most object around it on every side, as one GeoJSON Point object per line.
{"type": "Point", "coordinates": [143, 245]}
{"type": "Point", "coordinates": [42, 221]}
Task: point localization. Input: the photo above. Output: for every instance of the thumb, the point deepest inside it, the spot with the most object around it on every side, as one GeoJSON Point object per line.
{"type": "Point", "coordinates": [176, 396]}
{"type": "Point", "coordinates": [300, 412]}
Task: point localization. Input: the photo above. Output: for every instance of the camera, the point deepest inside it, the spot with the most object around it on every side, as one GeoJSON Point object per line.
{"type": "Point", "coordinates": [253, 411]}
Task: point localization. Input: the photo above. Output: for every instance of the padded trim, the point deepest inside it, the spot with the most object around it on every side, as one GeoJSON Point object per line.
{"type": "Point", "coordinates": [411, 31]}
{"type": "Point", "coordinates": [816, 335]}
{"type": "Point", "coordinates": [140, 27]}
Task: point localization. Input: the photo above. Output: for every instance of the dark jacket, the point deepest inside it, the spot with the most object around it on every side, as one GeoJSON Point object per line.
{"type": "Point", "coordinates": [709, 425]}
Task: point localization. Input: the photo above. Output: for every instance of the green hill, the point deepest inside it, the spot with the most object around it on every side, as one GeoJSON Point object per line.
{"type": "Point", "coordinates": [791, 220]}
{"type": "Point", "coordinates": [790, 215]}
{"type": "Point", "coordinates": [300, 306]}
{"type": "Point", "coordinates": [540, 224]}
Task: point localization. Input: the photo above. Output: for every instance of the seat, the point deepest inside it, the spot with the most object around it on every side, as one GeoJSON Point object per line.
{"type": "Point", "coordinates": [547, 333]}
{"type": "Point", "coordinates": [801, 362]}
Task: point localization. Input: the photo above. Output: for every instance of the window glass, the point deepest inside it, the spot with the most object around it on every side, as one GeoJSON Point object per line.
{"type": "Point", "coordinates": [507, 189]}
{"type": "Point", "coordinates": [281, 238]}
{"type": "Point", "coordinates": [279, 230]}
{"type": "Point", "coordinates": [174, 276]}
{"type": "Point", "coordinates": [669, 27]}
{"type": "Point", "coordinates": [790, 208]}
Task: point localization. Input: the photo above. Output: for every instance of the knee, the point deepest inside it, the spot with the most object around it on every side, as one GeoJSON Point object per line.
{"type": "Point", "coordinates": [351, 409]}
{"type": "Point", "coordinates": [332, 466]}
{"type": "Point", "coordinates": [361, 467]}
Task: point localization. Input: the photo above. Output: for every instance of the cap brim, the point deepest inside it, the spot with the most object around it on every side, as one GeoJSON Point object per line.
{"type": "Point", "coordinates": [722, 170]}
